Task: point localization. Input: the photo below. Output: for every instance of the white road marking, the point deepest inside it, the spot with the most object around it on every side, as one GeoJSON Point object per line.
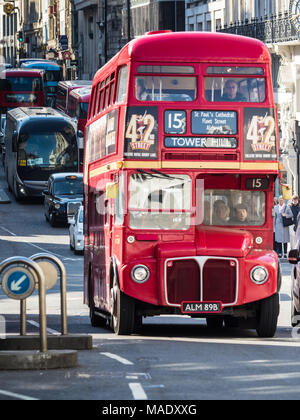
{"type": "Point", "coordinates": [50, 330]}
{"type": "Point", "coordinates": [137, 391]}
{"type": "Point", "coordinates": [118, 358]}
{"type": "Point", "coordinates": [20, 396]}
{"type": "Point", "coordinates": [35, 246]}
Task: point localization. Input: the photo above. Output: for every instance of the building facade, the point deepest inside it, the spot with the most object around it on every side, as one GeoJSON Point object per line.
{"type": "Point", "coordinates": [275, 23]}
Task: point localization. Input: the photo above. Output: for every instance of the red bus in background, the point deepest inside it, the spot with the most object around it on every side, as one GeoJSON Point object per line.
{"type": "Point", "coordinates": [77, 108]}
{"type": "Point", "coordinates": [21, 87]}
{"type": "Point", "coordinates": [63, 90]}
{"type": "Point", "coordinates": [181, 157]}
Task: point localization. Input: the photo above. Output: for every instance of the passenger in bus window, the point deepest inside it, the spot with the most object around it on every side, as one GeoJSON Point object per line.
{"type": "Point", "coordinates": [240, 215]}
{"type": "Point", "coordinates": [254, 97]}
{"type": "Point", "coordinates": [140, 90]}
{"type": "Point", "coordinates": [231, 93]}
{"type": "Point", "coordinates": [221, 213]}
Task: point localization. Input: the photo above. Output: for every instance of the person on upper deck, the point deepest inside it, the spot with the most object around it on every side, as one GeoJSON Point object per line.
{"type": "Point", "coordinates": [231, 93]}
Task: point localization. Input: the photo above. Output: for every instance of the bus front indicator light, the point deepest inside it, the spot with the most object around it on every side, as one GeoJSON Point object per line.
{"type": "Point", "coordinates": [259, 275]}
{"type": "Point", "coordinates": [140, 273]}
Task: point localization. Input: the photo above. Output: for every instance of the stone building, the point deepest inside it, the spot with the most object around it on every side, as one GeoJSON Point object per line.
{"type": "Point", "coordinates": [275, 23]}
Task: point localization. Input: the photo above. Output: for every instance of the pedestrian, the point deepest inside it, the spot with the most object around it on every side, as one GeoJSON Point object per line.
{"type": "Point", "coordinates": [295, 209]}
{"type": "Point", "coordinates": [275, 202]}
{"type": "Point", "coordinates": [282, 233]}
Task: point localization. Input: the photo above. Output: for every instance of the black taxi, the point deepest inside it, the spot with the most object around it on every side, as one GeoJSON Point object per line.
{"type": "Point", "coordinates": [63, 188]}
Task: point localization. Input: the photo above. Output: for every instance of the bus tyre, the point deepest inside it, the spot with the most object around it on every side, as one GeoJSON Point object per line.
{"type": "Point", "coordinates": [267, 316]}
{"type": "Point", "coordinates": [96, 320]}
{"type": "Point", "coordinates": [123, 310]}
{"type": "Point", "coordinates": [16, 192]}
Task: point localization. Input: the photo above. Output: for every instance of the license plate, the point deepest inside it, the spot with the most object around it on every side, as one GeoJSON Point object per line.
{"type": "Point", "coordinates": [201, 307]}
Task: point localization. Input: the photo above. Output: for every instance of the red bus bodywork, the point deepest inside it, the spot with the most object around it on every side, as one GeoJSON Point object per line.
{"type": "Point", "coordinates": [222, 273]}
{"type": "Point", "coordinates": [77, 107]}
{"type": "Point", "coordinates": [21, 87]}
{"type": "Point", "coordinates": [63, 90]}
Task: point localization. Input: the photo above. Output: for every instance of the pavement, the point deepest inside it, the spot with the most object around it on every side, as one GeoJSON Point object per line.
{"type": "Point", "coordinates": [4, 198]}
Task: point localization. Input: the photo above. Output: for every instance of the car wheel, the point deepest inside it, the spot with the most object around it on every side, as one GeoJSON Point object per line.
{"type": "Point", "coordinates": [52, 220]}
{"type": "Point", "coordinates": [295, 315]}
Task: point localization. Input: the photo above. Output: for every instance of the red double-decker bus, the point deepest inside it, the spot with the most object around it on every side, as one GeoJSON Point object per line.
{"type": "Point", "coordinates": [181, 156]}
{"type": "Point", "coordinates": [21, 87]}
{"type": "Point", "coordinates": [77, 108]}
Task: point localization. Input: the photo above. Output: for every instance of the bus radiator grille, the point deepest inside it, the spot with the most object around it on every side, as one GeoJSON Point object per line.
{"type": "Point", "coordinates": [218, 283]}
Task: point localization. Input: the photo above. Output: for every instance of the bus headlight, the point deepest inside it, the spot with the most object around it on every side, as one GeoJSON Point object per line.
{"type": "Point", "coordinates": [140, 273]}
{"type": "Point", "coordinates": [259, 275]}
{"type": "Point", "coordinates": [57, 206]}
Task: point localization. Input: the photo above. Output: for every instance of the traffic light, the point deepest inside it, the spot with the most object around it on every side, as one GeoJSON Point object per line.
{"type": "Point", "coordinates": [20, 36]}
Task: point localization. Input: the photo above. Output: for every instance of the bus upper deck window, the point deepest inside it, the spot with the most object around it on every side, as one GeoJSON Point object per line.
{"type": "Point", "coordinates": [234, 70]}
{"type": "Point", "coordinates": [233, 89]}
{"type": "Point", "coordinates": [122, 84]}
{"type": "Point", "coordinates": [165, 88]}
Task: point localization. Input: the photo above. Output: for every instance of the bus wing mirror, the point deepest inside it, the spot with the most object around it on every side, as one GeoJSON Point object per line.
{"type": "Point", "coordinates": [14, 141]}
{"type": "Point", "coordinates": [71, 220]}
{"type": "Point", "coordinates": [111, 190]}
{"type": "Point", "coordinates": [46, 192]}
{"type": "Point", "coordinates": [80, 139]}
{"type": "Point", "coordinates": [293, 256]}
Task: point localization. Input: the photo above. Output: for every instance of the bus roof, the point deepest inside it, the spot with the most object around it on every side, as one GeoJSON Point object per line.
{"type": "Point", "coordinates": [192, 47]}
{"type": "Point", "coordinates": [22, 72]}
{"type": "Point", "coordinates": [83, 94]}
{"type": "Point", "coordinates": [26, 113]}
{"type": "Point", "coordinates": [75, 83]}
{"type": "Point", "coordinates": [44, 65]}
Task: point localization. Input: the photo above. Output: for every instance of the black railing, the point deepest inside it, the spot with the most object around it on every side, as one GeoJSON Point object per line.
{"type": "Point", "coordinates": [270, 30]}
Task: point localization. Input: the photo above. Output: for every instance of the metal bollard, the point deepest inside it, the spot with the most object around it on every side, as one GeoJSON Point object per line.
{"type": "Point", "coordinates": [39, 277]}
{"type": "Point", "coordinates": [63, 286]}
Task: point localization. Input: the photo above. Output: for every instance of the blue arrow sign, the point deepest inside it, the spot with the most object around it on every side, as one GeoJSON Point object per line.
{"type": "Point", "coordinates": [18, 283]}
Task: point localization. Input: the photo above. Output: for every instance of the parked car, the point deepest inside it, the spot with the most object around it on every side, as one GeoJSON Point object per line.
{"type": "Point", "coordinates": [63, 188]}
{"type": "Point", "coordinates": [76, 231]}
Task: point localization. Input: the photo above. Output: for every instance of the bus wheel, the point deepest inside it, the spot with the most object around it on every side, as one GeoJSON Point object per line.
{"type": "Point", "coordinates": [16, 192]}
{"type": "Point", "coordinates": [96, 320]}
{"type": "Point", "coordinates": [267, 316]}
{"type": "Point", "coordinates": [123, 309]}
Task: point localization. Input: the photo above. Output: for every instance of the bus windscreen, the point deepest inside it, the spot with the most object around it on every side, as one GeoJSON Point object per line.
{"type": "Point", "coordinates": [47, 149]}
{"type": "Point", "coordinates": [21, 84]}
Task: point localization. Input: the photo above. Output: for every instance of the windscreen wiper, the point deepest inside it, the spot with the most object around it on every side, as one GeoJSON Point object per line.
{"type": "Point", "coordinates": [166, 175]}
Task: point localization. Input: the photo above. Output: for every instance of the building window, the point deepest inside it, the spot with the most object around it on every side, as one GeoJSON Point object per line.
{"type": "Point", "coordinates": [91, 27]}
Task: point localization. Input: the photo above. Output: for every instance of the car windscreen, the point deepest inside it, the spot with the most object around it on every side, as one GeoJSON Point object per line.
{"type": "Point", "coordinates": [67, 186]}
